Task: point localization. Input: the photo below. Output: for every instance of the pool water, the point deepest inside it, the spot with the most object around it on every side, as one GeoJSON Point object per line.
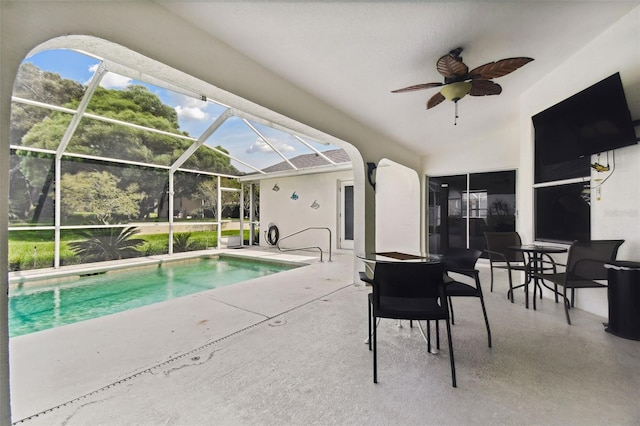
{"type": "Point", "coordinates": [40, 307]}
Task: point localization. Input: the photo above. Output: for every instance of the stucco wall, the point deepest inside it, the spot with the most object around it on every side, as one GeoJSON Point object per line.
{"type": "Point", "coordinates": [299, 202]}
{"type": "Point", "coordinates": [617, 213]}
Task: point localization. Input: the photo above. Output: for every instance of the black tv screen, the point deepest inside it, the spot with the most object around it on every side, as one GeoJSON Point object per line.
{"type": "Point", "coordinates": [563, 213]}
{"type": "Point", "coordinates": [594, 120]}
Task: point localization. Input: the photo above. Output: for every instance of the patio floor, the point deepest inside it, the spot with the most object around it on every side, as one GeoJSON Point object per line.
{"type": "Point", "coordinates": [289, 349]}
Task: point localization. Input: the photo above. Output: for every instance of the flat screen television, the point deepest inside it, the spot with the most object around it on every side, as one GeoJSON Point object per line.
{"type": "Point", "coordinates": [594, 120]}
{"type": "Point", "coordinates": [563, 213]}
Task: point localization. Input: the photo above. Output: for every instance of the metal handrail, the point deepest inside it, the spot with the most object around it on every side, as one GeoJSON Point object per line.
{"type": "Point", "coordinates": [304, 248]}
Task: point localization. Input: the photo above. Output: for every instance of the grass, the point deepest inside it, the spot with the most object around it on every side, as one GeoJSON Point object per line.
{"type": "Point", "coordinates": [35, 249]}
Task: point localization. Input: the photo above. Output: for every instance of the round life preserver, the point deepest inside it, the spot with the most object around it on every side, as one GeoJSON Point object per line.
{"type": "Point", "coordinates": [273, 234]}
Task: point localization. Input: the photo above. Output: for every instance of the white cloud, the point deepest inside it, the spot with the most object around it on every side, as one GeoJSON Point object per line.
{"type": "Point", "coordinates": [260, 146]}
{"type": "Point", "coordinates": [190, 108]}
{"type": "Point", "coordinates": [191, 113]}
{"type": "Point", "coordinates": [114, 81]}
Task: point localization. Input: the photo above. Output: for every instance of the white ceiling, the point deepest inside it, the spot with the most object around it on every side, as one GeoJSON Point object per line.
{"type": "Point", "coordinates": [352, 54]}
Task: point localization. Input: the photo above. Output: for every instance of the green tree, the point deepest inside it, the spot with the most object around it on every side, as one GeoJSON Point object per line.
{"type": "Point", "coordinates": [137, 105]}
{"type": "Point", "coordinates": [98, 194]}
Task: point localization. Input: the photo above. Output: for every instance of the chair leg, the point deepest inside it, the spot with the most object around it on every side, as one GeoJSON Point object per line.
{"type": "Point", "coordinates": [453, 364]}
{"type": "Point", "coordinates": [438, 334]}
{"type": "Point", "coordinates": [540, 288]}
{"type": "Point", "coordinates": [566, 305]}
{"type": "Point", "coordinates": [369, 335]}
{"type": "Point", "coordinates": [429, 336]}
{"type": "Point", "coordinates": [453, 321]}
{"type": "Point", "coordinates": [573, 297]}
{"type": "Point", "coordinates": [486, 319]}
{"type": "Point", "coordinates": [510, 292]}
{"type": "Point", "coordinates": [374, 337]}
{"type": "Point", "coordinates": [555, 290]}
{"type": "Point", "coordinates": [491, 269]}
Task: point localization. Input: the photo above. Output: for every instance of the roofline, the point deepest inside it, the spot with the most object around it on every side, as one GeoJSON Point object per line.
{"type": "Point", "coordinates": [340, 167]}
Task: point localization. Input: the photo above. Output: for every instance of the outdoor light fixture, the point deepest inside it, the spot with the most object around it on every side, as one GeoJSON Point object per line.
{"type": "Point", "coordinates": [371, 168]}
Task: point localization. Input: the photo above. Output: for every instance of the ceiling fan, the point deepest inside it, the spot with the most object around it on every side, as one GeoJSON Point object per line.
{"type": "Point", "coordinates": [459, 81]}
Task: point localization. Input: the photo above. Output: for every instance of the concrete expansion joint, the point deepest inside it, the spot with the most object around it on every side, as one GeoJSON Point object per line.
{"type": "Point", "coordinates": [193, 353]}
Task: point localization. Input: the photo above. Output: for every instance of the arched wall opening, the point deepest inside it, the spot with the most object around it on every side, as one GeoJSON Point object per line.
{"type": "Point", "coordinates": [147, 69]}
{"type": "Point", "coordinates": [114, 63]}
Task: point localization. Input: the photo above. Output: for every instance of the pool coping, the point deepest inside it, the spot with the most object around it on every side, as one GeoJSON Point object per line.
{"type": "Point", "coordinates": [51, 275]}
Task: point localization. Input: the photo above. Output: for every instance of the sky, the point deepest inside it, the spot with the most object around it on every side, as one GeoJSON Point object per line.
{"type": "Point", "coordinates": [194, 115]}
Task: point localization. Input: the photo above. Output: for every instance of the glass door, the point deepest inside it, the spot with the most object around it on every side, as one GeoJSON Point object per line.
{"type": "Point", "coordinates": [346, 215]}
{"type": "Point", "coordinates": [463, 207]}
{"type": "Point", "coordinates": [447, 227]}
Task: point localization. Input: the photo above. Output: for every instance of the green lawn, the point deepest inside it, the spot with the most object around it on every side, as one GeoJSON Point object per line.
{"type": "Point", "coordinates": [34, 249]}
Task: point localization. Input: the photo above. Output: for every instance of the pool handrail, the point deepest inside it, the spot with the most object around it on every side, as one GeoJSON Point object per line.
{"type": "Point", "coordinates": [305, 248]}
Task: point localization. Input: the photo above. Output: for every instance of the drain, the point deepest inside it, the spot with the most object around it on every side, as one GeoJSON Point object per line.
{"type": "Point", "coordinates": [195, 358]}
{"type": "Point", "coordinates": [277, 323]}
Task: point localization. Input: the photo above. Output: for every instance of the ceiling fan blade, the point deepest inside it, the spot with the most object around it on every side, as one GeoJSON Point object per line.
{"type": "Point", "coordinates": [417, 87]}
{"type": "Point", "coordinates": [484, 88]}
{"type": "Point", "coordinates": [451, 66]}
{"type": "Point", "coordinates": [435, 100]}
{"type": "Point", "coordinates": [498, 68]}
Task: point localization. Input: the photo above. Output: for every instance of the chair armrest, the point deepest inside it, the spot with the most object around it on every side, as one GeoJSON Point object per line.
{"type": "Point", "coordinates": [468, 272]}
{"type": "Point", "coordinates": [550, 264]}
{"type": "Point", "coordinates": [365, 278]}
{"type": "Point", "coordinates": [496, 253]}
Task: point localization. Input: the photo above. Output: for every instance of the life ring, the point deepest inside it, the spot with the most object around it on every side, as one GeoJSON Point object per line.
{"type": "Point", "coordinates": [273, 234]}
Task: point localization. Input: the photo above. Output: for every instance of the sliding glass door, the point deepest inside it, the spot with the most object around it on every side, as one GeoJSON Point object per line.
{"type": "Point", "coordinates": [463, 207]}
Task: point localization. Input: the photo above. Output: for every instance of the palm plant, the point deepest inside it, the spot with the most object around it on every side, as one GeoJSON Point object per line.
{"type": "Point", "coordinates": [181, 242]}
{"type": "Point", "coordinates": [107, 244]}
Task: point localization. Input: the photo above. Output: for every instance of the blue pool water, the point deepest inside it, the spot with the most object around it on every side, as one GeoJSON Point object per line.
{"type": "Point", "coordinates": [40, 307]}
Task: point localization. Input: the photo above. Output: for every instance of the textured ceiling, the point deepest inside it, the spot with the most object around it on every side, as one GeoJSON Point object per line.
{"type": "Point", "coordinates": [352, 54]}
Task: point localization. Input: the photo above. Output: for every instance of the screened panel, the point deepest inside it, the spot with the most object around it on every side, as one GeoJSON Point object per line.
{"type": "Point", "coordinates": [133, 101]}
{"type": "Point", "coordinates": [55, 77]}
{"type": "Point", "coordinates": [285, 143]}
{"type": "Point", "coordinates": [100, 244]}
{"type": "Point", "coordinates": [193, 237]}
{"type": "Point", "coordinates": [31, 188]}
{"type": "Point", "coordinates": [36, 126]}
{"type": "Point", "coordinates": [103, 192]}
{"type": "Point", "coordinates": [31, 249]}
{"type": "Point", "coordinates": [195, 197]}
{"type": "Point", "coordinates": [210, 160]}
{"type": "Point", "coordinates": [101, 139]}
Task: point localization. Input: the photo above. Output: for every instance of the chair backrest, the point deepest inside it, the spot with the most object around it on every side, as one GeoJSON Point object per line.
{"type": "Point", "coordinates": [408, 280]}
{"type": "Point", "coordinates": [461, 258]}
{"type": "Point", "coordinates": [586, 259]}
{"type": "Point", "coordinates": [499, 242]}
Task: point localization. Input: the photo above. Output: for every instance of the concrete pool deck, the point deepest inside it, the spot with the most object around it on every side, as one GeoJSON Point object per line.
{"type": "Point", "coordinates": [289, 349]}
{"type": "Point", "coordinates": [55, 366]}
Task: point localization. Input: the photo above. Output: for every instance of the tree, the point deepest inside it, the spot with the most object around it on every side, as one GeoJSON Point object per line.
{"type": "Point", "coordinates": [207, 191]}
{"type": "Point", "coordinates": [43, 128]}
{"type": "Point", "coordinates": [98, 194]}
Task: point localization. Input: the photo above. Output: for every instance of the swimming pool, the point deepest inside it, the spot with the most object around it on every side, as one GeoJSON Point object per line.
{"type": "Point", "coordinates": [40, 307]}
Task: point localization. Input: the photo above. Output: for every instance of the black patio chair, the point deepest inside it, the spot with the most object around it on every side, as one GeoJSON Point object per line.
{"type": "Point", "coordinates": [584, 268]}
{"type": "Point", "coordinates": [462, 261]}
{"type": "Point", "coordinates": [411, 291]}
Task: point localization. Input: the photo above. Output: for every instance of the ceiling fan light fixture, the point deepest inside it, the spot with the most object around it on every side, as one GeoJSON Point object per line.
{"type": "Point", "coordinates": [456, 91]}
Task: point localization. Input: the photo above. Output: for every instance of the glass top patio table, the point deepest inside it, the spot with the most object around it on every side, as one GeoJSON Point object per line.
{"type": "Point", "coordinates": [534, 253]}
{"type": "Point", "coordinates": [395, 257]}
